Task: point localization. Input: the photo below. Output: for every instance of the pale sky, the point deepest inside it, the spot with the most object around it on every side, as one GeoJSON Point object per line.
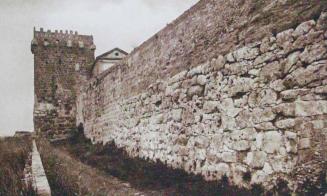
{"type": "Point", "coordinates": [113, 23]}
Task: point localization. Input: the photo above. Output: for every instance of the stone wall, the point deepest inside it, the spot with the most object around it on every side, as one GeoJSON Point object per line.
{"type": "Point", "coordinates": [243, 100]}
{"type": "Point", "coordinates": [62, 62]}
{"type": "Point", "coordinates": [210, 28]}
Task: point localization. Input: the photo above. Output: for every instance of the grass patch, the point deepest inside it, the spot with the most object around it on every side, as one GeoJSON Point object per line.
{"type": "Point", "coordinates": [14, 152]}
{"type": "Point", "coordinates": [61, 183]}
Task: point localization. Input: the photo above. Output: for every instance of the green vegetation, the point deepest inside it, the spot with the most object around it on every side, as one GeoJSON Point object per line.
{"type": "Point", "coordinates": [14, 154]}
{"type": "Point", "coordinates": [60, 181]}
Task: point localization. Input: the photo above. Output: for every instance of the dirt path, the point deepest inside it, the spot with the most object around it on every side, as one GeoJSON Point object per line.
{"type": "Point", "coordinates": [69, 176]}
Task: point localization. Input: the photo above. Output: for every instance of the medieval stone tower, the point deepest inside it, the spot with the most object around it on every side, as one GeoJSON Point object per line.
{"type": "Point", "coordinates": [62, 62]}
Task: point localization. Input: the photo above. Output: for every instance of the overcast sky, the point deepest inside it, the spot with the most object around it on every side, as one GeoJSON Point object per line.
{"type": "Point", "coordinates": [113, 23]}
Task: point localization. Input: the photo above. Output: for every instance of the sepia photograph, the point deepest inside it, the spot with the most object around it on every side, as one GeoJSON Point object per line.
{"type": "Point", "coordinates": [163, 98]}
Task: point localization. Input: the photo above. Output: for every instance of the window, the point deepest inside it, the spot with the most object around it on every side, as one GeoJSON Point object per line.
{"type": "Point", "coordinates": [117, 54]}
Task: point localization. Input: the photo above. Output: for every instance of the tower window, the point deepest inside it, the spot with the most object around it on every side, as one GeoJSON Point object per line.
{"type": "Point", "coordinates": [117, 54]}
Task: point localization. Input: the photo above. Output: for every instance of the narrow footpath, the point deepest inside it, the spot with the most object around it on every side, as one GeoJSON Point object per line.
{"type": "Point", "coordinates": [67, 175]}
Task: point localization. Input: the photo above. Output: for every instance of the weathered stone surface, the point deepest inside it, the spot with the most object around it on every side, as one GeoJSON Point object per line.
{"type": "Point", "coordinates": [43, 109]}
{"type": "Point", "coordinates": [230, 58]}
{"type": "Point", "coordinates": [290, 135]}
{"type": "Point", "coordinates": [245, 119]}
{"type": "Point", "coordinates": [268, 44]}
{"type": "Point", "coordinates": [201, 80]}
{"type": "Point", "coordinates": [262, 115]}
{"type": "Point", "coordinates": [286, 123]}
{"type": "Point", "coordinates": [218, 63]}
{"type": "Point", "coordinates": [265, 126]}
{"type": "Point", "coordinates": [286, 109]}
{"type": "Point", "coordinates": [238, 170]}
{"type": "Point", "coordinates": [303, 28]}
{"type": "Point", "coordinates": [158, 119]}
{"type": "Point", "coordinates": [240, 145]}
{"type": "Point", "coordinates": [277, 85]}
{"type": "Point", "coordinates": [210, 106]}
{"type": "Point", "coordinates": [271, 71]}
{"type": "Point", "coordinates": [195, 90]}
{"type": "Point", "coordinates": [285, 38]}
{"type": "Point", "coordinates": [201, 142]}
{"type": "Point", "coordinates": [303, 76]}
{"type": "Point", "coordinates": [293, 94]}
{"type": "Point", "coordinates": [319, 124]}
{"type": "Point", "coordinates": [246, 134]}
{"type": "Point", "coordinates": [256, 159]}
{"type": "Point", "coordinates": [229, 157]}
{"type": "Point", "coordinates": [322, 21]}
{"type": "Point", "coordinates": [314, 53]}
{"type": "Point", "coordinates": [238, 67]}
{"type": "Point", "coordinates": [292, 59]}
{"type": "Point", "coordinates": [304, 143]}
{"type": "Point", "coordinates": [272, 141]}
{"type": "Point", "coordinates": [246, 53]}
{"type": "Point", "coordinates": [217, 140]}
{"type": "Point", "coordinates": [291, 143]}
{"type": "Point", "coordinates": [201, 69]}
{"type": "Point", "coordinates": [262, 97]}
{"type": "Point", "coordinates": [264, 58]}
{"type": "Point", "coordinates": [227, 106]}
{"type": "Point", "coordinates": [178, 77]}
{"type": "Point", "coordinates": [177, 115]}
{"type": "Point", "coordinates": [222, 169]}
{"type": "Point", "coordinates": [310, 108]}
{"type": "Point", "coordinates": [228, 123]}
{"type": "Point", "coordinates": [267, 97]}
{"type": "Point", "coordinates": [321, 90]}
{"type": "Point", "coordinates": [181, 140]}
{"type": "Point", "coordinates": [242, 85]}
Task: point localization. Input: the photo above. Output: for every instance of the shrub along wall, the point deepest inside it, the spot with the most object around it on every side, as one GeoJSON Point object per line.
{"type": "Point", "coordinates": [14, 154]}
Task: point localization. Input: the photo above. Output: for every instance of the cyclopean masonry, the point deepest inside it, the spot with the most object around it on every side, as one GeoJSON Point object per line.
{"type": "Point", "coordinates": [234, 88]}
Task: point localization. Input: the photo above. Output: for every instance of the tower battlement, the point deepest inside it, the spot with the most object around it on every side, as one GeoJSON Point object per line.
{"type": "Point", "coordinates": [62, 62]}
{"type": "Point", "coordinates": [60, 38]}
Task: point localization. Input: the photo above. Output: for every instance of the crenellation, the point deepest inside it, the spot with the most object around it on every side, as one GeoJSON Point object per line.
{"type": "Point", "coordinates": [57, 38]}
{"type": "Point", "coordinates": [57, 79]}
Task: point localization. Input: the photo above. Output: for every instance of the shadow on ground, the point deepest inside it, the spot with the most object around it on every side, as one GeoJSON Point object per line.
{"type": "Point", "coordinates": [147, 175]}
